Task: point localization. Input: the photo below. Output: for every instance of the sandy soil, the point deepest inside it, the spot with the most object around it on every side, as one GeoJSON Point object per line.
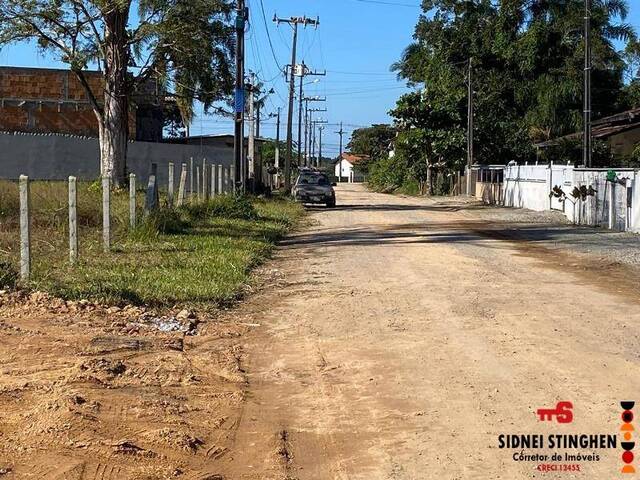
{"type": "Point", "coordinates": [92, 394]}
{"type": "Point", "coordinates": [394, 338]}
{"type": "Point", "coordinates": [402, 336]}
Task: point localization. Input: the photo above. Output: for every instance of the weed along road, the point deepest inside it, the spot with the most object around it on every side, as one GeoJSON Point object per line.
{"type": "Point", "coordinates": [400, 338]}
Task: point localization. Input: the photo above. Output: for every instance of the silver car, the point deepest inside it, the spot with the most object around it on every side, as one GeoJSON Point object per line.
{"type": "Point", "coordinates": [314, 187]}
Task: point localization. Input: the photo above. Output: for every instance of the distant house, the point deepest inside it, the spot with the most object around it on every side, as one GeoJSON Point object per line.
{"type": "Point", "coordinates": [620, 131]}
{"type": "Point", "coordinates": [346, 167]}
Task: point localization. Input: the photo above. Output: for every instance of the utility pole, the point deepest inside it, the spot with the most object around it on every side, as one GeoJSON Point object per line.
{"type": "Point", "coordinates": [277, 165]}
{"type": "Point", "coordinates": [306, 133]}
{"type": "Point", "coordinates": [315, 143]}
{"type": "Point", "coordinates": [312, 142]}
{"type": "Point", "coordinates": [258, 108]}
{"type": "Point", "coordinates": [238, 136]}
{"type": "Point", "coordinates": [300, 97]}
{"type": "Point", "coordinates": [469, 125]}
{"type": "Point", "coordinates": [306, 124]}
{"type": "Point", "coordinates": [319, 162]}
{"type": "Point", "coordinates": [294, 22]}
{"type": "Point", "coordinates": [341, 133]}
{"type": "Point", "coordinates": [303, 71]}
{"type": "Point", "coordinates": [250, 174]}
{"type": "Point", "coordinates": [313, 130]}
{"type": "Point", "coordinates": [586, 157]}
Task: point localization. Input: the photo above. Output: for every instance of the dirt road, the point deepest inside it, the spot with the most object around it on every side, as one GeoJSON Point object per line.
{"type": "Point", "coordinates": [393, 338]}
{"type": "Point", "coordinates": [400, 337]}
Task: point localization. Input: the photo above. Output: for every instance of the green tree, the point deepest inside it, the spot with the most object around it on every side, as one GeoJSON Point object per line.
{"type": "Point", "coordinates": [373, 141]}
{"type": "Point", "coordinates": [527, 63]}
{"type": "Point", "coordinates": [186, 44]}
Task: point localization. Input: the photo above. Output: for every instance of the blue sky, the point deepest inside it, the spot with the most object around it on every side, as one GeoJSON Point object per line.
{"type": "Point", "coordinates": [356, 43]}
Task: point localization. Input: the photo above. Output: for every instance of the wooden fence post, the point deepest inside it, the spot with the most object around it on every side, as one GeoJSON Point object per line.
{"type": "Point", "coordinates": [73, 220]}
{"type": "Point", "coordinates": [106, 213]}
{"type": "Point", "coordinates": [232, 177]}
{"type": "Point", "coordinates": [183, 185]}
{"type": "Point", "coordinates": [220, 179]}
{"type": "Point", "coordinates": [25, 224]}
{"type": "Point", "coordinates": [170, 186]}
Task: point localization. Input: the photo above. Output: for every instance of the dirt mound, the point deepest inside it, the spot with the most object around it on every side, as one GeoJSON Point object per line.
{"type": "Point", "coordinates": [99, 392]}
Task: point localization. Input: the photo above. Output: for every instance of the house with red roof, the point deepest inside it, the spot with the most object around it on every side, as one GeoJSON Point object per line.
{"type": "Point", "coordinates": [346, 167]}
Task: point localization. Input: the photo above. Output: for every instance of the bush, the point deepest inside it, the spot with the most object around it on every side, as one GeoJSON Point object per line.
{"type": "Point", "coordinates": [160, 222]}
{"type": "Point", "coordinates": [8, 275]}
{"type": "Point", "coordinates": [224, 206]}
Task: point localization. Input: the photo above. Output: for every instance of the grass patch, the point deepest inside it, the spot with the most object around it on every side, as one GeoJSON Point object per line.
{"type": "Point", "coordinates": [200, 255]}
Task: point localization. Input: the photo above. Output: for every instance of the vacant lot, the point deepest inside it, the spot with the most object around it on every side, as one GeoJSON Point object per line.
{"type": "Point", "coordinates": [199, 255]}
{"type": "Point", "coordinates": [139, 391]}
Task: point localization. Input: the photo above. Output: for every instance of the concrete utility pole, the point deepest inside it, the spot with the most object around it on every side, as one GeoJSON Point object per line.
{"type": "Point", "coordinates": [469, 125]}
{"type": "Point", "coordinates": [319, 162]}
{"type": "Point", "coordinates": [587, 85]}
{"type": "Point", "coordinates": [238, 137]}
{"type": "Point", "coordinates": [294, 22]}
{"type": "Point", "coordinates": [301, 99]}
{"type": "Point", "coordinates": [306, 133]}
{"type": "Point", "coordinates": [306, 124]}
{"type": "Point", "coordinates": [341, 133]}
{"type": "Point", "coordinates": [250, 175]}
{"type": "Point", "coordinates": [278, 139]}
{"type": "Point", "coordinates": [303, 71]}
{"type": "Point", "coordinates": [315, 143]}
{"type": "Point", "coordinates": [312, 140]}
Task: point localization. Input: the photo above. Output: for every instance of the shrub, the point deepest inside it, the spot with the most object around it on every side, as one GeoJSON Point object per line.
{"type": "Point", "coordinates": [159, 222]}
{"type": "Point", "coordinates": [225, 206]}
{"type": "Point", "coordinates": [8, 275]}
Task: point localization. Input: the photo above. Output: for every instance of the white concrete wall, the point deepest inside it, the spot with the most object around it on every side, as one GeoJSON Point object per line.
{"type": "Point", "coordinates": [55, 157]}
{"type": "Point", "coordinates": [529, 186]}
{"type": "Point", "coordinates": [635, 206]}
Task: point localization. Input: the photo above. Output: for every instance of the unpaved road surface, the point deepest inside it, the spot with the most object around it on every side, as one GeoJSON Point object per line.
{"type": "Point", "coordinates": [401, 337]}
{"type": "Point", "coordinates": [394, 338]}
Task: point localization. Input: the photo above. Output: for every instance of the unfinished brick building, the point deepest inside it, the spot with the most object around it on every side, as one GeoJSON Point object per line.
{"type": "Point", "coordinates": [47, 100]}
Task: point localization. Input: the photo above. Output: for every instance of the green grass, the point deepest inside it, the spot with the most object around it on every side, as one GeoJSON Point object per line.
{"type": "Point", "coordinates": [199, 256]}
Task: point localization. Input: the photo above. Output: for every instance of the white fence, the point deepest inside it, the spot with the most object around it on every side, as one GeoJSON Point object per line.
{"type": "Point", "coordinates": [614, 205]}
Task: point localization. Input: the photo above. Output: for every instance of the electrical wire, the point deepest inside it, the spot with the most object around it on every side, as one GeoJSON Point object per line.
{"type": "Point", "coordinates": [266, 28]}
{"type": "Point", "coordinates": [395, 4]}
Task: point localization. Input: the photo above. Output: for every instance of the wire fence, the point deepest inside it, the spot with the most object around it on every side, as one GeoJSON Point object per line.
{"type": "Point", "coordinates": [197, 182]}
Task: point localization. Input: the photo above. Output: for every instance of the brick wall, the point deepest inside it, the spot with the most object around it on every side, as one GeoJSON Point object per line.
{"type": "Point", "coordinates": [50, 101]}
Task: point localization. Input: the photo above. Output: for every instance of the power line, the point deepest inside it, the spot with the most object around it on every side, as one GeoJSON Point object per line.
{"type": "Point", "coordinates": [342, 72]}
{"type": "Point", "coordinates": [273, 52]}
{"type": "Point", "coordinates": [395, 4]}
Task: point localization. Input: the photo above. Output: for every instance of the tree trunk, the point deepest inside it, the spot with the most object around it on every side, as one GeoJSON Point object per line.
{"type": "Point", "coordinates": [429, 180]}
{"type": "Point", "coordinates": [114, 122]}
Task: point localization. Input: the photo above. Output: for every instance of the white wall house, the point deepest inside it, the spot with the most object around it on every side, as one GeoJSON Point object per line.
{"type": "Point", "coordinates": [346, 170]}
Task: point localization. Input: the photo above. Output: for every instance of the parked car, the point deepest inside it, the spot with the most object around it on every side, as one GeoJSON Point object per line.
{"type": "Point", "coordinates": [314, 187]}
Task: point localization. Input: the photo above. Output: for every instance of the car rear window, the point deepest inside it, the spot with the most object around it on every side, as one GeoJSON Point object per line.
{"type": "Point", "coordinates": [312, 180]}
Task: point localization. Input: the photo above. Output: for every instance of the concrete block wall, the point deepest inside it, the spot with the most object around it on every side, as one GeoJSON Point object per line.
{"type": "Point", "coordinates": [56, 157]}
